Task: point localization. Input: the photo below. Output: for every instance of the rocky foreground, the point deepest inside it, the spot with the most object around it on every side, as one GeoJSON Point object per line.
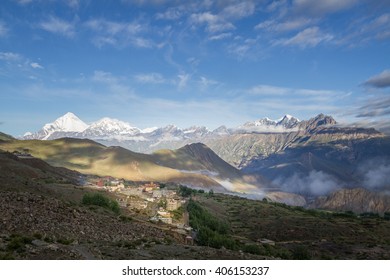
{"type": "Point", "coordinates": [38, 227]}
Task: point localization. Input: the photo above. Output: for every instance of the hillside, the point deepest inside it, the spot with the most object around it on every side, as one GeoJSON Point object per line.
{"type": "Point", "coordinates": [5, 137]}
{"type": "Point", "coordinates": [351, 163]}
{"type": "Point", "coordinates": [196, 157]}
{"type": "Point", "coordinates": [89, 157]}
{"type": "Point", "coordinates": [42, 218]}
{"type": "Point", "coordinates": [296, 233]}
{"type": "Point", "coordinates": [357, 200]}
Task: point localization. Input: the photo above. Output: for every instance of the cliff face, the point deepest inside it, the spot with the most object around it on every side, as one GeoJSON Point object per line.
{"type": "Point", "coordinates": [240, 149]}
{"type": "Point", "coordinates": [358, 200]}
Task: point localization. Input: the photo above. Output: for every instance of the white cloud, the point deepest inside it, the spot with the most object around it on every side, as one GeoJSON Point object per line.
{"type": "Point", "coordinates": [101, 41]}
{"type": "Point", "coordinates": [23, 2]}
{"type": "Point", "coordinates": [214, 23]}
{"type": "Point", "coordinates": [310, 37]}
{"type": "Point", "coordinates": [275, 5]}
{"type": "Point", "coordinates": [364, 30]}
{"type": "Point", "coordinates": [222, 21]}
{"type": "Point", "coordinates": [113, 27]}
{"type": "Point", "coordinates": [104, 77]}
{"type": "Point", "coordinates": [3, 29]}
{"type": "Point", "coordinates": [314, 183]}
{"type": "Point", "coordinates": [319, 8]}
{"type": "Point", "coordinates": [36, 65]}
{"type": "Point", "coordinates": [170, 14]}
{"type": "Point", "coordinates": [73, 3]}
{"type": "Point", "coordinates": [245, 48]}
{"type": "Point", "coordinates": [10, 56]}
{"type": "Point", "coordinates": [220, 36]}
{"type": "Point", "coordinates": [289, 25]}
{"type": "Point", "coordinates": [239, 10]}
{"type": "Point", "coordinates": [268, 90]}
{"type": "Point", "coordinates": [59, 26]}
{"type": "Point", "coordinates": [151, 78]}
{"type": "Point", "coordinates": [118, 34]}
{"type": "Point", "coordinates": [183, 80]}
{"type": "Point", "coordinates": [381, 80]}
{"type": "Point", "coordinates": [206, 83]}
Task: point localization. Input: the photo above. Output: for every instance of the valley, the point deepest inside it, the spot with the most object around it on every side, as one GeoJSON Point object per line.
{"type": "Point", "coordinates": [285, 189]}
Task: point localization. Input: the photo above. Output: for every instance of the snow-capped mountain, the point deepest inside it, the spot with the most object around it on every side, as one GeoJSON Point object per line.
{"type": "Point", "coordinates": [288, 122]}
{"type": "Point", "coordinates": [67, 124]}
{"type": "Point", "coordinates": [106, 128]}
{"type": "Point", "coordinates": [113, 132]}
{"type": "Point", "coordinates": [221, 131]}
{"type": "Point", "coordinates": [285, 124]}
{"type": "Point", "coordinates": [167, 133]}
{"type": "Point", "coordinates": [196, 132]}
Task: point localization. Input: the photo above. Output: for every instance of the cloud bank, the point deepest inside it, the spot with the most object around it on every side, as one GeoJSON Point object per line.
{"type": "Point", "coordinates": [316, 183]}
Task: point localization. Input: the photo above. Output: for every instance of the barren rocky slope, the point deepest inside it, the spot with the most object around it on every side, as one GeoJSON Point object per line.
{"type": "Point", "coordinates": [357, 200]}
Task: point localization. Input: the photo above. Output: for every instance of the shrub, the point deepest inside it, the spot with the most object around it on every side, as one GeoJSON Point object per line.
{"type": "Point", "coordinates": [252, 249]}
{"type": "Point", "coordinates": [102, 201]}
{"type": "Point", "coordinates": [210, 230]}
{"type": "Point", "coordinates": [301, 253]}
{"type": "Point", "coordinates": [17, 243]}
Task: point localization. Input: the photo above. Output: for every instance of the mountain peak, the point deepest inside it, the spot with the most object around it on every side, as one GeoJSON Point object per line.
{"type": "Point", "coordinates": [322, 119]}
{"type": "Point", "coordinates": [286, 123]}
{"type": "Point", "coordinates": [109, 126]}
{"type": "Point", "coordinates": [318, 121]}
{"type": "Point", "coordinates": [69, 115]}
{"type": "Point", "coordinates": [66, 123]}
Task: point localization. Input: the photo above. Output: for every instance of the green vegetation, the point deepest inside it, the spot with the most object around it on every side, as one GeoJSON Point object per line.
{"type": "Point", "coordinates": [210, 230]}
{"type": "Point", "coordinates": [102, 201]}
{"type": "Point", "coordinates": [253, 249]}
{"type": "Point", "coordinates": [5, 137]}
{"type": "Point", "coordinates": [185, 191]}
{"type": "Point", "coordinates": [301, 252]}
{"type": "Point", "coordinates": [295, 232]}
{"type": "Point", "coordinates": [65, 241]}
{"type": "Point", "coordinates": [178, 213]}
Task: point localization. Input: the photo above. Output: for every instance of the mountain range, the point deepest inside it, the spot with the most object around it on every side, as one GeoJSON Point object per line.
{"type": "Point", "coordinates": [106, 129]}
{"type": "Point", "coordinates": [309, 158]}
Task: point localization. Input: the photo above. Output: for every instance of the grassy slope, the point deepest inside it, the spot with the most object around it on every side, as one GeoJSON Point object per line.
{"type": "Point", "coordinates": [322, 234]}
{"type": "Point", "coordinates": [5, 137]}
{"type": "Point", "coordinates": [196, 157]}
{"type": "Point", "coordinates": [89, 157]}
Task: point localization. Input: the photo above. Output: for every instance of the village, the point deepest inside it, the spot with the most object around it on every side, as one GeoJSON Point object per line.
{"type": "Point", "coordinates": [157, 202]}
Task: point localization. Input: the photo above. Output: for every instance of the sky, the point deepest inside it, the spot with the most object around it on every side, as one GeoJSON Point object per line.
{"type": "Point", "coordinates": [159, 62]}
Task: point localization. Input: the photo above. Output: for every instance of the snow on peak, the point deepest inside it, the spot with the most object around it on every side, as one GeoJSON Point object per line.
{"type": "Point", "coordinates": [284, 124]}
{"type": "Point", "coordinates": [149, 129]}
{"type": "Point", "coordinates": [108, 125]}
{"type": "Point", "coordinates": [67, 123]}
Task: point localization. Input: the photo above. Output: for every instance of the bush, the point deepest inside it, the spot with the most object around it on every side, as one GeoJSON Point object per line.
{"type": "Point", "coordinates": [301, 253]}
{"type": "Point", "coordinates": [102, 201]}
{"type": "Point", "coordinates": [252, 249]}
{"type": "Point", "coordinates": [210, 230]}
{"type": "Point", "coordinates": [17, 243]}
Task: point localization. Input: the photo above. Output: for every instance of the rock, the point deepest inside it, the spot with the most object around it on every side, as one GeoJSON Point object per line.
{"type": "Point", "coordinates": [39, 243]}
{"type": "Point", "coordinates": [357, 200]}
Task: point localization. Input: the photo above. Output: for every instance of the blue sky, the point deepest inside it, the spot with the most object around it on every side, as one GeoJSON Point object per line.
{"type": "Point", "coordinates": [159, 62]}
